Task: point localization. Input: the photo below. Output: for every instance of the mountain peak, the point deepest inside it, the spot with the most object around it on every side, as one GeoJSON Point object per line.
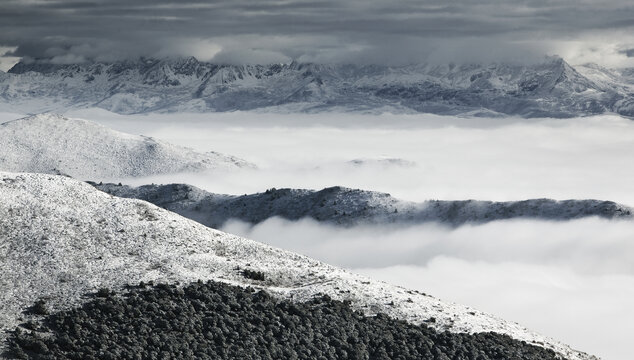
{"type": "Point", "coordinates": [552, 88]}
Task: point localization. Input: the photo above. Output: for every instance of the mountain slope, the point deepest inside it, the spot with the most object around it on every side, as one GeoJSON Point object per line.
{"type": "Point", "coordinates": [214, 321]}
{"type": "Point", "coordinates": [552, 88]}
{"type": "Point", "coordinates": [347, 207]}
{"type": "Point", "coordinates": [49, 143]}
{"type": "Point", "coordinates": [62, 238]}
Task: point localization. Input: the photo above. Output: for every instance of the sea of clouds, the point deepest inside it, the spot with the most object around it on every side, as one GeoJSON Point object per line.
{"type": "Point", "coordinates": [573, 281]}
{"type": "Point", "coordinates": [444, 157]}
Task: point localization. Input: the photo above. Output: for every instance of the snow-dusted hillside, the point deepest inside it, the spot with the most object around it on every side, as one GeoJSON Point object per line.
{"type": "Point", "coordinates": [550, 89]}
{"type": "Point", "coordinates": [347, 207]}
{"type": "Point", "coordinates": [62, 238]}
{"type": "Point", "coordinates": [53, 144]}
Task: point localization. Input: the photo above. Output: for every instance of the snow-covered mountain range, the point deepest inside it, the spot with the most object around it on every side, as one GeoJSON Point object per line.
{"type": "Point", "coordinates": [343, 206]}
{"type": "Point", "coordinates": [549, 89]}
{"type": "Point", "coordinates": [49, 143]}
{"type": "Point", "coordinates": [62, 238]}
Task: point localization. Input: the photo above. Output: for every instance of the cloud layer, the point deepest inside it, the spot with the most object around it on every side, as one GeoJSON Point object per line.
{"type": "Point", "coordinates": [587, 246]}
{"type": "Point", "coordinates": [589, 312]}
{"type": "Point", "coordinates": [454, 159]}
{"type": "Point", "coordinates": [569, 280]}
{"type": "Point", "coordinates": [240, 31]}
{"type": "Point", "coordinates": [573, 281]}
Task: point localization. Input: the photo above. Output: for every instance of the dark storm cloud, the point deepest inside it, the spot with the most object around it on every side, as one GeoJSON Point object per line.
{"type": "Point", "coordinates": [352, 30]}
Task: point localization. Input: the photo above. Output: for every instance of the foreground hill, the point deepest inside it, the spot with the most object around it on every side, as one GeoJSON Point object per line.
{"type": "Point", "coordinates": [343, 206]}
{"type": "Point", "coordinates": [62, 238]}
{"type": "Point", "coordinates": [53, 144]}
{"type": "Point", "coordinates": [217, 321]}
{"type": "Point", "coordinates": [549, 89]}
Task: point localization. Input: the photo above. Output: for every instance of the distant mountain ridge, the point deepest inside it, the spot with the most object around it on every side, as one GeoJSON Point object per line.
{"type": "Point", "coordinates": [347, 207]}
{"type": "Point", "coordinates": [550, 89]}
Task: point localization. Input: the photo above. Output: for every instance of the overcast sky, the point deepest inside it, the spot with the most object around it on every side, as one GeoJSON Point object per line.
{"type": "Point", "coordinates": [264, 31]}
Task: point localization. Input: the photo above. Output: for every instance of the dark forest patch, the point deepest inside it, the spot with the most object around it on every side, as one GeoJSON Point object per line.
{"type": "Point", "coordinates": [218, 321]}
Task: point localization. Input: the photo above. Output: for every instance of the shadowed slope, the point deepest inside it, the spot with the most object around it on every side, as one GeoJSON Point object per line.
{"type": "Point", "coordinates": [216, 321]}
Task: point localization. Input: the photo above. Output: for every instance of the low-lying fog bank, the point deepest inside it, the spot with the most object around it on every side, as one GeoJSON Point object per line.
{"type": "Point", "coordinates": [412, 157]}
{"type": "Point", "coordinates": [570, 280]}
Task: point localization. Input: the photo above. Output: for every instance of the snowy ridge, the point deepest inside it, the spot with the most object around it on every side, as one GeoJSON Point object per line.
{"type": "Point", "coordinates": [347, 207]}
{"type": "Point", "coordinates": [49, 143]}
{"type": "Point", "coordinates": [62, 238]}
{"type": "Point", "coordinates": [550, 89]}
